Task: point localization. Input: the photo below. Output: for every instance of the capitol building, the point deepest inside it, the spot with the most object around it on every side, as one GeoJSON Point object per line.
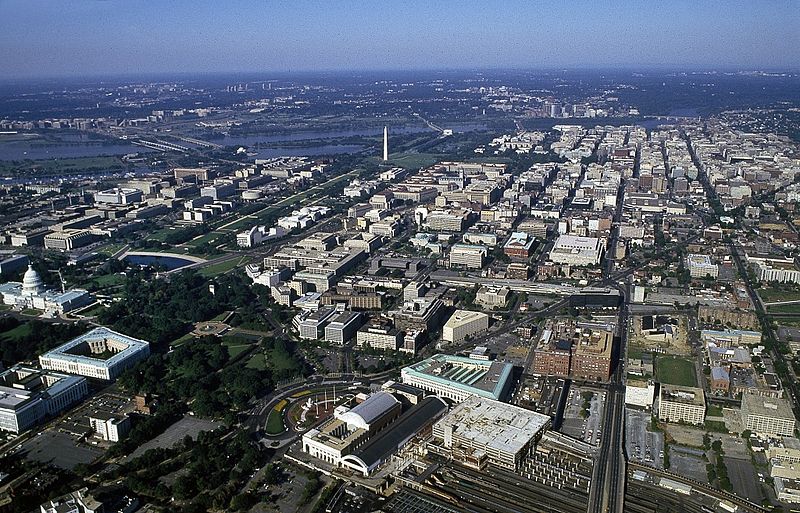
{"type": "Point", "coordinates": [32, 293]}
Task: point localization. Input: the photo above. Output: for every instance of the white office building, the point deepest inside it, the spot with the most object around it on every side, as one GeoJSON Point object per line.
{"type": "Point", "coordinates": [100, 354]}
{"type": "Point", "coordinates": [28, 395]}
{"type": "Point", "coordinates": [574, 250]}
{"type": "Point", "coordinates": [463, 324]}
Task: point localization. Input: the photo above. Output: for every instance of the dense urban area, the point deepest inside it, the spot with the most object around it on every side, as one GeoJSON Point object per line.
{"type": "Point", "coordinates": [434, 292]}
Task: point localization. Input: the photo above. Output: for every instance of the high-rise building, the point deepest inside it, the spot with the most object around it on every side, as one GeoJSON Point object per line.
{"type": "Point", "coordinates": [385, 143]}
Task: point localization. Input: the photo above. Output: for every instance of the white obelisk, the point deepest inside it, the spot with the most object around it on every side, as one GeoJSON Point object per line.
{"type": "Point", "coordinates": [385, 143]}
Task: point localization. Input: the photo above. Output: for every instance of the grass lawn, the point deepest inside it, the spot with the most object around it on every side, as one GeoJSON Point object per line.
{"type": "Point", "coordinates": [110, 248]}
{"type": "Point", "coordinates": [275, 424]}
{"type": "Point", "coordinates": [787, 321]}
{"type": "Point", "coordinates": [32, 312]}
{"type": "Point", "coordinates": [714, 411]}
{"type": "Point", "coordinates": [257, 361]}
{"type": "Point", "coordinates": [181, 340]}
{"type": "Point", "coordinates": [791, 308]}
{"type": "Point", "coordinates": [280, 361]}
{"type": "Point", "coordinates": [779, 293]}
{"type": "Point", "coordinates": [414, 160]}
{"type": "Point", "coordinates": [236, 345]}
{"type": "Point", "coordinates": [23, 330]}
{"type": "Point", "coordinates": [675, 371]}
{"type": "Point", "coordinates": [221, 268]}
{"type": "Point", "coordinates": [93, 310]}
{"type": "Point", "coordinates": [108, 280]}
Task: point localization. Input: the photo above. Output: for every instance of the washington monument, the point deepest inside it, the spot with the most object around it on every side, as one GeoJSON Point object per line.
{"type": "Point", "coordinates": [385, 143]}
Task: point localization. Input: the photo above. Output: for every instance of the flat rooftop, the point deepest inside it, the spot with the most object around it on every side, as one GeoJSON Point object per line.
{"type": "Point", "coordinates": [679, 394]}
{"type": "Point", "coordinates": [121, 345]}
{"type": "Point", "coordinates": [753, 404]}
{"type": "Point", "coordinates": [493, 424]}
{"type": "Point", "coordinates": [478, 377]}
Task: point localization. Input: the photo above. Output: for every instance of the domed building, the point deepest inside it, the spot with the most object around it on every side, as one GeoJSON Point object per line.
{"type": "Point", "coordinates": [32, 293]}
{"type": "Point", "coordinates": [32, 284]}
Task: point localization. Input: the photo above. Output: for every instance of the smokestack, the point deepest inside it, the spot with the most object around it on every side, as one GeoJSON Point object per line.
{"type": "Point", "coordinates": [385, 143]}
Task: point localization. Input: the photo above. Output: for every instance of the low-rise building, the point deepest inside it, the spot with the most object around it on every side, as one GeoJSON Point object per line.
{"type": "Point", "coordinates": [492, 297]}
{"type": "Point", "coordinates": [579, 251]}
{"type": "Point", "coordinates": [770, 416]}
{"type": "Point", "coordinates": [100, 353]}
{"type": "Point", "coordinates": [28, 395]}
{"type": "Point", "coordinates": [456, 378]}
{"type": "Point", "coordinates": [481, 431]}
{"type": "Point", "coordinates": [467, 255]}
{"type": "Point", "coordinates": [681, 404]}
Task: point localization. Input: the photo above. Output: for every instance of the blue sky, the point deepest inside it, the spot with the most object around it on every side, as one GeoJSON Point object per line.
{"type": "Point", "coordinates": [96, 37]}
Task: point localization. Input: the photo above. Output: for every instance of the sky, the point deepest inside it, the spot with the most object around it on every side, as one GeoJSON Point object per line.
{"type": "Point", "coordinates": [45, 38]}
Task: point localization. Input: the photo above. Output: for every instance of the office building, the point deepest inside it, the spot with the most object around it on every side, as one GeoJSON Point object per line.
{"type": "Point", "coordinates": [68, 239]}
{"type": "Point", "coordinates": [379, 336]}
{"type": "Point", "coordinates": [28, 395]}
{"type": "Point", "coordinates": [463, 324]}
{"type": "Point", "coordinates": [101, 354]}
{"type": "Point", "coordinates": [681, 404]}
{"type": "Point", "coordinates": [109, 426]}
{"type": "Point", "coordinates": [468, 256]}
{"type": "Point", "coordinates": [768, 416]}
{"type": "Point", "coordinates": [700, 266]}
{"type": "Point", "coordinates": [119, 196]}
{"type": "Point", "coordinates": [312, 324]}
{"type": "Point", "coordinates": [343, 327]}
{"type": "Point", "coordinates": [419, 314]}
{"type": "Point", "coordinates": [519, 245]}
{"type": "Point", "coordinates": [492, 297]}
{"type": "Point", "coordinates": [574, 250]}
{"type": "Point", "coordinates": [774, 269]}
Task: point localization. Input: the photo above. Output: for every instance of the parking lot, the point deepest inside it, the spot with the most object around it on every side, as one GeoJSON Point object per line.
{"type": "Point", "coordinates": [641, 444]}
{"type": "Point", "coordinates": [744, 479]}
{"type": "Point", "coordinates": [60, 449]}
{"type": "Point", "coordinates": [688, 462]}
{"type": "Point", "coordinates": [190, 426]}
{"type": "Point", "coordinates": [584, 424]}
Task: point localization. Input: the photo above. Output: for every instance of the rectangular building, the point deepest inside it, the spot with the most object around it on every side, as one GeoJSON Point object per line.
{"type": "Point", "coordinates": [768, 416]}
{"type": "Point", "coordinates": [456, 378]}
{"type": "Point", "coordinates": [468, 256]}
{"type": "Point", "coordinates": [681, 404]}
{"type": "Point", "coordinates": [463, 324]}
{"type": "Point", "coordinates": [573, 250]}
{"type": "Point", "coordinates": [482, 431]}
{"type": "Point", "coordinates": [343, 327]}
{"type": "Point", "coordinates": [28, 395]}
{"type": "Point", "coordinates": [101, 354]}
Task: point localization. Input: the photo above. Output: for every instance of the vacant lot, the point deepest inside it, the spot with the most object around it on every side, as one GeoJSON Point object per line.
{"type": "Point", "coordinates": [675, 371]}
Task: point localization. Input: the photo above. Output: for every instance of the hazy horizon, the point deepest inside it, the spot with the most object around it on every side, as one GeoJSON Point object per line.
{"type": "Point", "coordinates": [49, 39]}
